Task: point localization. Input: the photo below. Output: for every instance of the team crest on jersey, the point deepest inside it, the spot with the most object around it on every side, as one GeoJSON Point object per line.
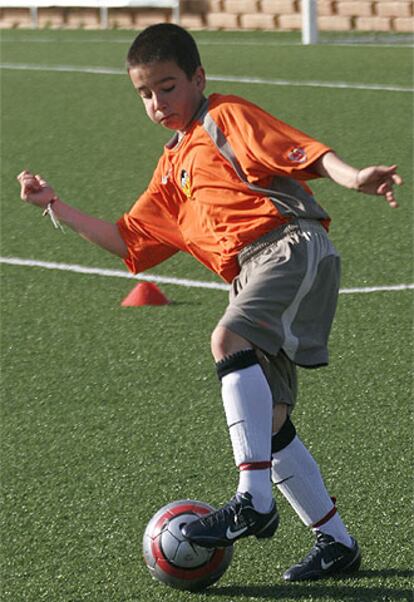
{"type": "Point", "coordinates": [186, 184]}
{"type": "Point", "coordinates": [297, 155]}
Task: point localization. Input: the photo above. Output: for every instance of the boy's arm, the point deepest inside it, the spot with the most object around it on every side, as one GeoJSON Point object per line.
{"type": "Point", "coordinates": [36, 191]}
{"type": "Point", "coordinates": [376, 179]}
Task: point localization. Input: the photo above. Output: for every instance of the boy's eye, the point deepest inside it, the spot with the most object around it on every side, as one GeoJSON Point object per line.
{"type": "Point", "coordinates": [144, 93]}
{"type": "Point", "coordinates": [147, 94]}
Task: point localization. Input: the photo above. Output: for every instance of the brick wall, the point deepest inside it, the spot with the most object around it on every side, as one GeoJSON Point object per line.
{"type": "Point", "coordinates": [279, 15]}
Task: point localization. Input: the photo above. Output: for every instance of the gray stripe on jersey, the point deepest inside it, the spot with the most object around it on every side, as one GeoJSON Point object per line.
{"type": "Point", "coordinates": [288, 196]}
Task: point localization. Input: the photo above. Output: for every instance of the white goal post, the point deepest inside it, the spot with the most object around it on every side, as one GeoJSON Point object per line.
{"type": "Point", "coordinates": [309, 22]}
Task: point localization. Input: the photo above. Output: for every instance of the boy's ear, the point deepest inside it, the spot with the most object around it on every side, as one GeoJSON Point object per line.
{"type": "Point", "coordinates": [200, 78]}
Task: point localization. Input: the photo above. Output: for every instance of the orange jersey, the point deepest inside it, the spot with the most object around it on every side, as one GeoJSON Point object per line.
{"type": "Point", "coordinates": [236, 174]}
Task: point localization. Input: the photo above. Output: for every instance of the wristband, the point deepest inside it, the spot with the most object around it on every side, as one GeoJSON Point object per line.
{"type": "Point", "coordinates": [49, 211]}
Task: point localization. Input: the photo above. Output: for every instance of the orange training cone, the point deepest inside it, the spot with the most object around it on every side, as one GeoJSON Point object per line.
{"type": "Point", "coordinates": [145, 293]}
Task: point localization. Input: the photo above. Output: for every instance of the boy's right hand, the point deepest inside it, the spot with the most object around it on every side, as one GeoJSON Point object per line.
{"type": "Point", "coordinates": [35, 190]}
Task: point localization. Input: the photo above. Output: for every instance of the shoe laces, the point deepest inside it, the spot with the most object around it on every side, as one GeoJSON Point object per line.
{"type": "Point", "coordinates": [229, 512]}
{"type": "Point", "coordinates": [322, 545]}
{"type": "Point", "coordinates": [323, 540]}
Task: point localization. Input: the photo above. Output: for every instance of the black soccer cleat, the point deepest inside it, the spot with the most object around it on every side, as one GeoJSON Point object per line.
{"type": "Point", "coordinates": [235, 520]}
{"type": "Point", "coordinates": [327, 558]}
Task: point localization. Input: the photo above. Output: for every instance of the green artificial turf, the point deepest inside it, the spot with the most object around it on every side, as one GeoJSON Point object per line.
{"type": "Point", "coordinates": [108, 413]}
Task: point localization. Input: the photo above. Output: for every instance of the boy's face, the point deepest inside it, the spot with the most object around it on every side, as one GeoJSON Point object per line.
{"type": "Point", "coordinates": [169, 97]}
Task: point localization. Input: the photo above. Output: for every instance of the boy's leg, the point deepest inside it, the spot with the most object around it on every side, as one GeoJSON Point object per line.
{"type": "Point", "coordinates": [298, 478]}
{"type": "Point", "coordinates": [248, 405]}
{"type": "Point", "coordinates": [247, 401]}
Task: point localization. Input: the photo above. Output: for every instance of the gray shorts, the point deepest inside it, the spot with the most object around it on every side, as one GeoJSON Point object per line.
{"type": "Point", "coordinates": [284, 299]}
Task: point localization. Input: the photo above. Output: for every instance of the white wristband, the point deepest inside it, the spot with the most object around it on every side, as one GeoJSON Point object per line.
{"type": "Point", "coordinates": [49, 211]}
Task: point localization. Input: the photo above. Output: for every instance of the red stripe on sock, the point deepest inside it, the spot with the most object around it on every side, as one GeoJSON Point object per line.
{"type": "Point", "coordinates": [255, 465]}
{"type": "Point", "coordinates": [327, 517]}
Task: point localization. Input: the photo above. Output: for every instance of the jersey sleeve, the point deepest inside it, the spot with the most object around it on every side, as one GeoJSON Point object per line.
{"type": "Point", "coordinates": [143, 229]}
{"type": "Point", "coordinates": [265, 145]}
{"type": "Point", "coordinates": [144, 252]}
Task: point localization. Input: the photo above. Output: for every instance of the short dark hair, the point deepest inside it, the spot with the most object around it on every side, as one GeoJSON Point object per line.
{"type": "Point", "coordinates": [165, 42]}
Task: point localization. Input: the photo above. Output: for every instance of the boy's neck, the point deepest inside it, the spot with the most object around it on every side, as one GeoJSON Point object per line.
{"type": "Point", "coordinates": [197, 112]}
{"type": "Point", "coordinates": [179, 135]}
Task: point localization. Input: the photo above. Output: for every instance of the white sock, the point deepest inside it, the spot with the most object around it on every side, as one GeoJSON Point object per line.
{"type": "Point", "coordinates": [247, 401]}
{"type": "Point", "coordinates": [297, 476]}
{"type": "Point", "coordinates": [259, 484]}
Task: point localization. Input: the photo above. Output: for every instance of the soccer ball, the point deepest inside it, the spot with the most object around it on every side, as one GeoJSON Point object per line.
{"type": "Point", "coordinates": [175, 561]}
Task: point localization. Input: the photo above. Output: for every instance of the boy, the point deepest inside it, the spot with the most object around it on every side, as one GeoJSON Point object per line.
{"type": "Point", "coordinates": [230, 188]}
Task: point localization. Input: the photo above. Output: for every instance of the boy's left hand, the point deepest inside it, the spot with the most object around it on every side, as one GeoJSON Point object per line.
{"type": "Point", "coordinates": [379, 180]}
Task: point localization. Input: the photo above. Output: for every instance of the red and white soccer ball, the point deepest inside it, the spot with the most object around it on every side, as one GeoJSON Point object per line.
{"type": "Point", "coordinates": [175, 561]}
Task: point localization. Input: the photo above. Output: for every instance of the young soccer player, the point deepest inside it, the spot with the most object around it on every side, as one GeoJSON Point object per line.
{"type": "Point", "coordinates": [231, 189]}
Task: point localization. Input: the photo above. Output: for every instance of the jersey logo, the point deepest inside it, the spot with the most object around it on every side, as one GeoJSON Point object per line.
{"type": "Point", "coordinates": [297, 155]}
{"type": "Point", "coordinates": [186, 184]}
{"type": "Point", "coordinates": [166, 177]}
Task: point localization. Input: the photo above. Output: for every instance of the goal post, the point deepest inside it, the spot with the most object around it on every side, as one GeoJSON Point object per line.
{"type": "Point", "coordinates": [309, 22]}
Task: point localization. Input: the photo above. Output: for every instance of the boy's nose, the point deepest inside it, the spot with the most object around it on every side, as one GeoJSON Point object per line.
{"type": "Point", "coordinates": [159, 102]}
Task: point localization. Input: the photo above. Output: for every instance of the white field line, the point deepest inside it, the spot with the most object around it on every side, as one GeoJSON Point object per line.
{"type": "Point", "coordinates": [400, 42]}
{"type": "Point", "coordinates": [218, 78]}
{"type": "Point", "coordinates": [79, 269]}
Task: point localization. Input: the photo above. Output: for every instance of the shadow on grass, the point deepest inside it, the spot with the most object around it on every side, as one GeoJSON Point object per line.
{"type": "Point", "coordinates": [297, 591]}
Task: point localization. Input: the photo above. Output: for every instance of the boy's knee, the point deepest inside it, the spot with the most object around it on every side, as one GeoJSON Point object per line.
{"type": "Point", "coordinates": [284, 436]}
{"type": "Point", "coordinates": [224, 342]}
{"type": "Point", "coordinates": [280, 415]}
